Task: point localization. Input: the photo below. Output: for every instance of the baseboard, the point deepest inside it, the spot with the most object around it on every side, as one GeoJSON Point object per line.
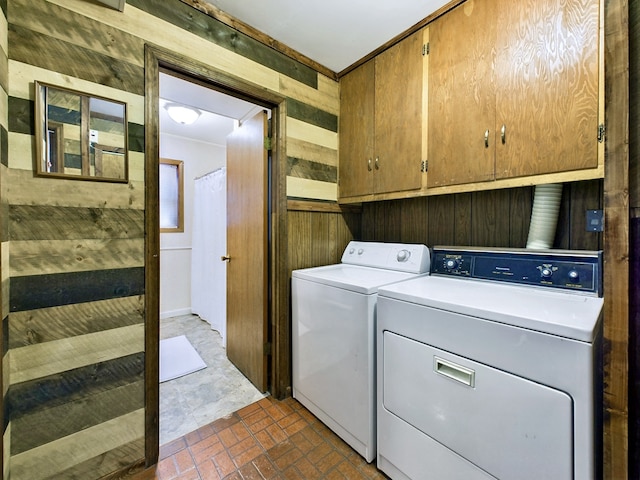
{"type": "Point", "coordinates": [175, 313]}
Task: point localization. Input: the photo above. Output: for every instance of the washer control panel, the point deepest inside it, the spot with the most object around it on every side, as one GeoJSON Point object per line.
{"type": "Point", "coordinates": [563, 269]}
{"type": "Point", "coordinates": [405, 257]}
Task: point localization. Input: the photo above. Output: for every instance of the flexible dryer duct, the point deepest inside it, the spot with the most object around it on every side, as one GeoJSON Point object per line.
{"type": "Point", "coordinates": [544, 215]}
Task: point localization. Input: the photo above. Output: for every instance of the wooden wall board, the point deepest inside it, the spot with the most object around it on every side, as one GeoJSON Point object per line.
{"type": "Point", "coordinates": [46, 460]}
{"type": "Point", "coordinates": [311, 189]}
{"type": "Point", "coordinates": [324, 97]}
{"type": "Point", "coordinates": [312, 115]}
{"type": "Point", "coordinates": [73, 385]}
{"type": "Point", "coordinates": [30, 362]}
{"type": "Point", "coordinates": [23, 75]}
{"type": "Point", "coordinates": [43, 291]}
{"type": "Point", "coordinates": [28, 192]}
{"type": "Point", "coordinates": [490, 218]}
{"type": "Point", "coordinates": [300, 168]}
{"type": "Point", "coordinates": [55, 323]}
{"type": "Point", "coordinates": [210, 29]}
{"type": "Point", "coordinates": [64, 57]}
{"type": "Point", "coordinates": [311, 133]}
{"type": "Point", "coordinates": [4, 61]}
{"type": "Point", "coordinates": [77, 29]}
{"type": "Point", "coordinates": [312, 152]}
{"type": "Point", "coordinates": [49, 222]}
{"type": "Point", "coordinates": [22, 117]}
{"type": "Point", "coordinates": [34, 257]}
{"type": "Point", "coordinates": [47, 425]}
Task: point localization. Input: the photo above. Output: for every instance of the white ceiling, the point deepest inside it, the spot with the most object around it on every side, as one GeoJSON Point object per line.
{"type": "Point", "coordinates": [334, 33]}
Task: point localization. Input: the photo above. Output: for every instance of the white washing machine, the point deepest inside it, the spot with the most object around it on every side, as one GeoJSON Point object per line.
{"type": "Point", "coordinates": [490, 368]}
{"type": "Point", "coordinates": [333, 335]}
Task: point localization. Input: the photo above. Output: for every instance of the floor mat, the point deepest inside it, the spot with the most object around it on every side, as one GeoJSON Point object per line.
{"type": "Point", "coordinates": [178, 358]}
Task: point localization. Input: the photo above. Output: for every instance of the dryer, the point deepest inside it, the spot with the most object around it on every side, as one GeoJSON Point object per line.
{"type": "Point", "coordinates": [490, 368]}
{"type": "Point", "coordinates": [333, 335]}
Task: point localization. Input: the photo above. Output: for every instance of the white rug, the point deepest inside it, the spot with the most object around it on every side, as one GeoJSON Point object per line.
{"type": "Point", "coordinates": [178, 358]}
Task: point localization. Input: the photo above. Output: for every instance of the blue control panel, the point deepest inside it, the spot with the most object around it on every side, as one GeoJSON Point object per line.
{"type": "Point", "coordinates": [562, 269]}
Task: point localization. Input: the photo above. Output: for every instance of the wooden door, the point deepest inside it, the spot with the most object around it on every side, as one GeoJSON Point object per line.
{"type": "Point", "coordinates": [547, 68]}
{"type": "Point", "coordinates": [356, 131]}
{"type": "Point", "coordinates": [461, 95]}
{"type": "Point", "coordinates": [247, 227]}
{"type": "Point", "coordinates": [398, 116]}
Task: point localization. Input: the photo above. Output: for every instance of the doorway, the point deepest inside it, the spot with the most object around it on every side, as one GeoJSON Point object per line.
{"type": "Point", "coordinates": [277, 285]}
{"type": "Point", "coordinates": [193, 233]}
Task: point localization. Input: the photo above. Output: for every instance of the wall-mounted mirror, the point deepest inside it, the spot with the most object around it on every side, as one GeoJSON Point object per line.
{"type": "Point", "coordinates": [80, 136]}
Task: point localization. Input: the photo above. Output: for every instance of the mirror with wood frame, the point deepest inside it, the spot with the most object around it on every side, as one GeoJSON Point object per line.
{"type": "Point", "coordinates": [80, 136]}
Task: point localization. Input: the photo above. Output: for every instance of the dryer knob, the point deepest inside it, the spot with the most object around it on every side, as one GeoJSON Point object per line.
{"type": "Point", "coordinates": [574, 276]}
{"type": "Point", "coordinates": [451, 264]}
{"type": "Point", "coordinates": [403, 255]}
{"type": "Point", "coordinates": [546, 273]}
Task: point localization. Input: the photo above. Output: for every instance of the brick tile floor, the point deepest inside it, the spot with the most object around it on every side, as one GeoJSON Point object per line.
{"type": "Point", "coordinates": [267, 440]}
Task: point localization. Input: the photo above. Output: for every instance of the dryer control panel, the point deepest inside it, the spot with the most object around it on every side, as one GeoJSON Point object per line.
{"type": "Point", "coordinates": [574, 270]}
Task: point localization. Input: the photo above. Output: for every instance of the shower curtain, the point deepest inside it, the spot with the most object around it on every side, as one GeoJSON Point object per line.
{"type": "Point", "coordinates": [209, 243]}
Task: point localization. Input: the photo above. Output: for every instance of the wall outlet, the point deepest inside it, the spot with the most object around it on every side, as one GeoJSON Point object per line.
{"type": "Point", "coordinates": [595, 220]}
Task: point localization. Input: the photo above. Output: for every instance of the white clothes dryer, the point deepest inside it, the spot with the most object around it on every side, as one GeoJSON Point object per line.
{"type": "Point", "coordinates": [490, 368]}
{"type": "Point", "coordinates": [333, 335]}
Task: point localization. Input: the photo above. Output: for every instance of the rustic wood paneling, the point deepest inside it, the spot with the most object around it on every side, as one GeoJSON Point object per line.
{"type": "Point", "coordinates": [55, 323]}
{"type": "Point", "coordinates": [21, 119]}
{"type": "Point", "coordinates": [191, 20]}
{"type": "Point", "coordinates": [297, 167]}
{"type": "Point", "coordinates": [312, 115]}
{"type": "Point", "coordinates": [616, 241]}
{"type": "Point", "coordinates": [41, 222]}
{"type": "Point", "coordinates": [312, 152]}
{"type": "Point", "coordinates": [64, 57]}
{"type": "Point", "coordinates": [43, 291]}
{"type": "Point", "coordinates": [52, 423]}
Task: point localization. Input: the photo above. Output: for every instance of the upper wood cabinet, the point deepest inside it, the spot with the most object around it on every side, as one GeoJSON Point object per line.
{"type": "Point", "coordinates": [513, 90]}
{"type": "Point", "coordinates": [380, 122]}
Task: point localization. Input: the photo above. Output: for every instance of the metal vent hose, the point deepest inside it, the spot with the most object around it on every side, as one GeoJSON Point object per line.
{"type": "Point", "coordinates": [544, 215]}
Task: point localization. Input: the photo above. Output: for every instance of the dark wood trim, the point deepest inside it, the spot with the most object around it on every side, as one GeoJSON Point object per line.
{"type": "Point", "coordinates": [156, 60]}
{"type": "Point", "coordinates": [263, 38]}
{"type": "Point", "coordinates": [319, 206]}
{"type": "Point", "coordinates": [152, 256]}
{"type": "Point", "coordinates": [616, 241]}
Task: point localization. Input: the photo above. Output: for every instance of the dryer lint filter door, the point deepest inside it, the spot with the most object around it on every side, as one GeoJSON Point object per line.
{"type": "Point", "coordinates": [506, 425]}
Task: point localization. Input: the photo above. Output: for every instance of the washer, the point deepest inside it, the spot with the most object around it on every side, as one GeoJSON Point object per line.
{"type": "Point", "coordinates": [333, 335]}
{"type": "Point", "coordinates": [491, 367]}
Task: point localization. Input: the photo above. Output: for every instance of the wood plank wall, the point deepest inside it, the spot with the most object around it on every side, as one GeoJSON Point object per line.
{"type": "Point", "coordinates": [73, 251]}
{"type": "Point", "coordinates": [495, 218]}
{"type": "Point", "coordinates": [4, 234]}
{"type": "Point", "coordinates": [634, 240]}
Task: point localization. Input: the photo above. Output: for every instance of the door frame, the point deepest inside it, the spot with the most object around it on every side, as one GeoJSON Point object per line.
{"type": "Point", "coordinates": [157, 59]}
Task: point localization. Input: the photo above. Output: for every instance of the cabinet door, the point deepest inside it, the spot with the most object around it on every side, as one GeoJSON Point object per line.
{"type": "Point", "coordinates": [547, 86]}
{"type": "Point", "coordinates": [356, 131]}
{"type": "Point", "coordinates": [461, 95]}
{"type": "Point", "coordinates": [398, 116]}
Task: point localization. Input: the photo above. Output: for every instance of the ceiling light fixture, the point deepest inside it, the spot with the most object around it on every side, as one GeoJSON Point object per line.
{"type": "Point", "coordinates": [182, 114]}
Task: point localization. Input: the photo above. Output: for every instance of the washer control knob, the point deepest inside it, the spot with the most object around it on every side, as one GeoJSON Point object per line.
{"type": "Point", "coordinates": [451, 264]}
{"type": "Point", "coordinates": [546, 272]}
{"type": "Point", "coordinates": [351, 250]}
{"type": "Point", "coordinates": [403, 255]}
{"type": "Point", "coordinates": [360, 251]}
{"type": "Point", "coordinates": [574, 276]}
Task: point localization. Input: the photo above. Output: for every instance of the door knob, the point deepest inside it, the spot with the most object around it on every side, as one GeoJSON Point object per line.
{"type": "Point", "coordinates": [225, 258]}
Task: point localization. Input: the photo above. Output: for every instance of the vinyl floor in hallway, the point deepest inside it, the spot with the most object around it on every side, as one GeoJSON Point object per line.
{"type": "Point", "coordinates": [268, 439]}
{"type": "Point", "coordinates": [197, 399]}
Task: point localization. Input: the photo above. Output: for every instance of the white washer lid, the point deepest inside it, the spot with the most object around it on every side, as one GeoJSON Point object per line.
{"type": "Point", "coordinates": [365, 280]}
{"type": "Point", "coordinates": [564, 314]}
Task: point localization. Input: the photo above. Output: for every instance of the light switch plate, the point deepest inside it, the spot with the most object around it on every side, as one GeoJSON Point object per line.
{"type": "Point", "coordinates": [595, 220]}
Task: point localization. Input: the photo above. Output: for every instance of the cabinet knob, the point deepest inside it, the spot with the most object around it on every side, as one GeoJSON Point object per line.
{"type": "Point", "coordinates": [503, 133]}
{"type": "Point", "coordinates": [377, 163]}
{"type": "Point", "coordinates": [369, 164]}
{"type": "Point", "coordinates": [486, 139]}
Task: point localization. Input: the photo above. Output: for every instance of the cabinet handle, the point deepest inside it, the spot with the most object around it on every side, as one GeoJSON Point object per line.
{"type": "Point", "coordinates": [503, 133]}
{"type": "Point", "coordinates": [369, 165]}
{"type": "Point", "coordinates": [486, 139]}
{"type": "Point", "coordinates": [377, 163]}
